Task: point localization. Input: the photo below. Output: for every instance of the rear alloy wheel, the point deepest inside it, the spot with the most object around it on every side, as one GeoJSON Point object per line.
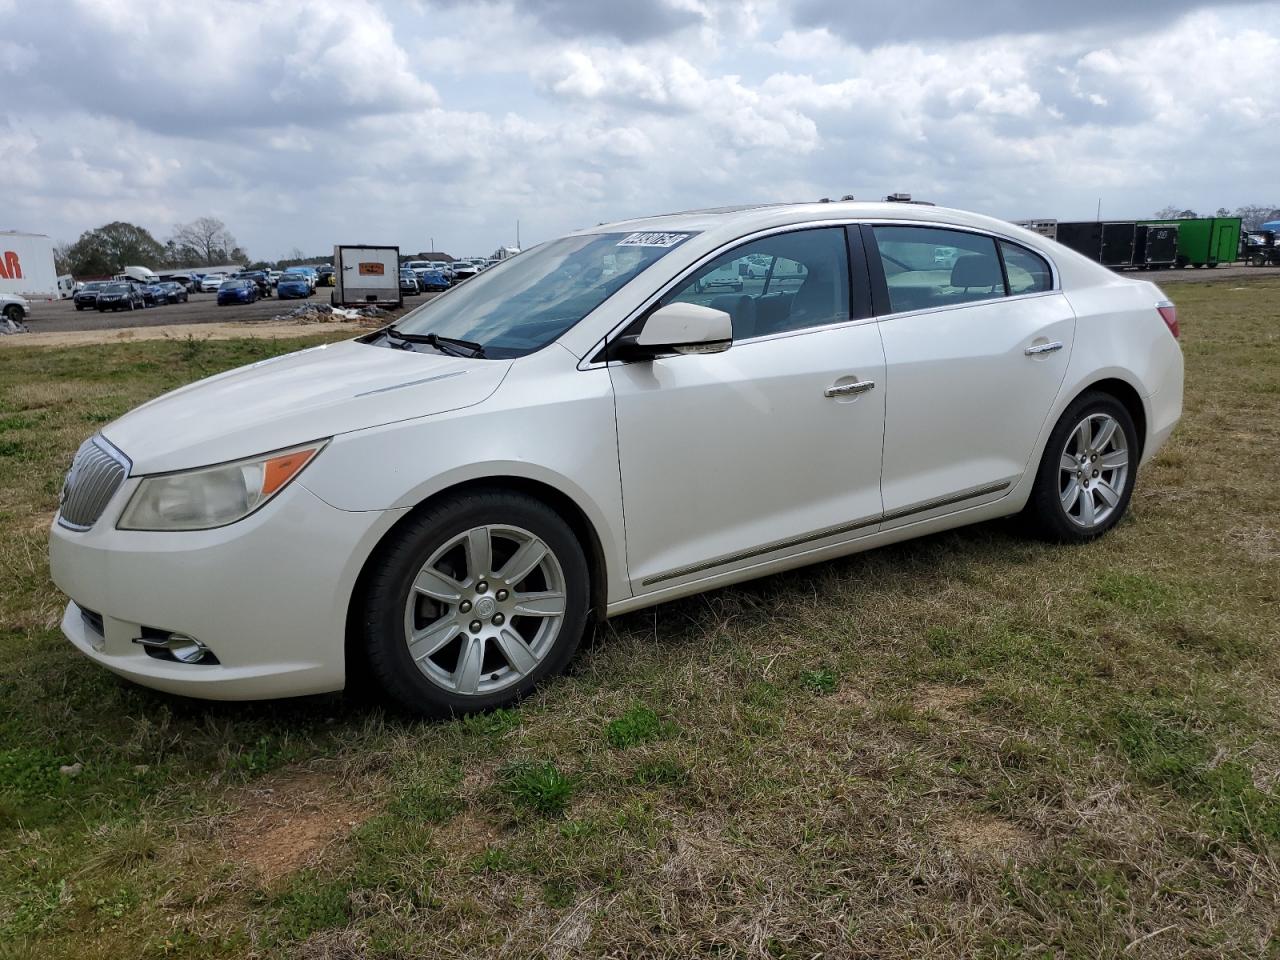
{"type": "Point", "coordinates": [476, 601]}
{"type": "Point", "coordinates": [1086, 477]}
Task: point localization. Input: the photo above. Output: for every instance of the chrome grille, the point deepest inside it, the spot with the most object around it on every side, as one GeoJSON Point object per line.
{"type": "Point", "coordinates": [96, 474]}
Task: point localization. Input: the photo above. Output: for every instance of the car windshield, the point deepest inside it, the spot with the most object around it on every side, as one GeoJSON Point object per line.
{"type": "Point", "coordinates": [293, 278]}
{"type": "Point", "coordinates": [232, 284]}
{"type": "Point", "coordinates": [116, 288]}
{"type": "Point", "coordinates": [530, 300]}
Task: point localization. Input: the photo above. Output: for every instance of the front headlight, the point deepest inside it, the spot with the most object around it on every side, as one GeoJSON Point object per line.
{"type": "Point", "coordinates": [214, 496]}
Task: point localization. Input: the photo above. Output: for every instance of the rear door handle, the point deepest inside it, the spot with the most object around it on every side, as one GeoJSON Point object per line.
{"type": "Point", "coordinates": [1040, 348]}
{"type": "Point", "coordinates": [849, 389]}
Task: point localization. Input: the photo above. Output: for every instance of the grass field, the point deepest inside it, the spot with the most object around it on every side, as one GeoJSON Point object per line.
{"type": "Point", "coordinates": [971, 745]}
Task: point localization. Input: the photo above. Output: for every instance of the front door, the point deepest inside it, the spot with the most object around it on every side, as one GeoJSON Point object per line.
{"type": "Point", "coordinates": [772, 448]}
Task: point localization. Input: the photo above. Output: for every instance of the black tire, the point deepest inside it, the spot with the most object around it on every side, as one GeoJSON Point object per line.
{"type": "Point", "coordinates": [78, 308]}
{"type": "Point", "coordinates": [1044, 514]}
{"type": "Point", "coordinates": [398, 561]}
{"type": "Point", "coordinates": [13, 312]}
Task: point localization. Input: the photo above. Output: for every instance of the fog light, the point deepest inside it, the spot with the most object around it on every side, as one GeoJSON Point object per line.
{"type": "Point", "coordinates": [174, 646]}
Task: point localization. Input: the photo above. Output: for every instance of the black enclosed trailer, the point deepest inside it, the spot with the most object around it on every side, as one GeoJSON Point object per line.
{"type": "Point", "coordinates": [1155, 245]}
{"type": "Point", "coordinates": [1118, 244]}
{"type": "Point", "coordinates": [1082, 237]}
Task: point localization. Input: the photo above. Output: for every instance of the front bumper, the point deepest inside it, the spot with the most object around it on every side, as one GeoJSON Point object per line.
{"type": "Point", "coordinates": [267, 595]}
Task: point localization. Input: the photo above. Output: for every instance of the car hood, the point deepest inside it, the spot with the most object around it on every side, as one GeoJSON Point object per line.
{"type": "Point", "coordinates": [284, 401]}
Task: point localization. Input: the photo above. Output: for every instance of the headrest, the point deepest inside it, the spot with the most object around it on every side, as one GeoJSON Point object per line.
{"type": "Point", "coordinates": [976, 271]}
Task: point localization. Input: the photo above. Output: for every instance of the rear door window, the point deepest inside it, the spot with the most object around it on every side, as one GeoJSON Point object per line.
{"type": "Point", "coordinates": [928, 267]}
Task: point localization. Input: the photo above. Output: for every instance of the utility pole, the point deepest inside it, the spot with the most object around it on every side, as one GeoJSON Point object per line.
{"type": "Point", "coordinates": [517, 233]}
{"type": "Point", "coordinates": [1099, 209]}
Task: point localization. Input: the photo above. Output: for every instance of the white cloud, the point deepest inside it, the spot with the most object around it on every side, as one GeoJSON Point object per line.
{"type": "Point", "coordinates": [305, 122]}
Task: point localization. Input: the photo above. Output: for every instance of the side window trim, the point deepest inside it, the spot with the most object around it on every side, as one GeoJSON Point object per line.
{"type": "Point", "coordinates": [599, 354]}
{"type": "Point", "coordinates": [880, 287]}
{"type": "Point", "coordinates": [853, 276]}
{"type": "Point", "coordinates": [861, 299]}
{"type": "Point", "coordinates": [875, 268]}
{"type": "Point", "coordinates": [1004, 269]}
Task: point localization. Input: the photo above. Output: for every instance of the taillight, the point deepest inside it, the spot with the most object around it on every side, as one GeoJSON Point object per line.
{"type": "Point", "coordinates": [1169, 314]}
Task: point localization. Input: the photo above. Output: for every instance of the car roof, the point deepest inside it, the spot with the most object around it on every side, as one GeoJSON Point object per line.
{"type": "Point", "coordinates": [747, 218]}
{"type": "Point", "coordinates": [720, 225]}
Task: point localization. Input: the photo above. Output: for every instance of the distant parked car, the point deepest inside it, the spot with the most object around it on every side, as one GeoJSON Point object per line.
{"type": "Point", "coordinates": [152, 294]}
{"type": "Point", "coordinates": [464, 271]}
{"type": "Point", "coordinates": [308, 272]}
{"type": "Point", "coordinates": [325, 276]}
{"type": "Point", "coordinates": [173, 291]}
{"type": "Point", "coordinates": [432, 278]}
{"type": "Point", "coordinates": [86, 297]}
{"type": "Point", "coordinates": [14, 307]}
{"type": "Point", "coordinates": [293, 286]}
{"type": "Point", "coordinates": [260, 278]}
{"type": "Point", "coordinates": [120, 295]}
{"type": "Point", "coordinates": [237, 291]}
{"type": "Point", "coordinates": [409, 283]}
{"type": "Point", "coordinates": [187, 281]}
{"type": "Point", "coordinates": [211, 282]}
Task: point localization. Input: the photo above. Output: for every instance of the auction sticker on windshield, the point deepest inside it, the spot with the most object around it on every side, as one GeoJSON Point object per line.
{"type": "Point", "coordinates": [652, 239]}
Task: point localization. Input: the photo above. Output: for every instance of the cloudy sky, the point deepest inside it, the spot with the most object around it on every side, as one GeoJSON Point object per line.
{"type": "Point", "coordinates": [302, 123]}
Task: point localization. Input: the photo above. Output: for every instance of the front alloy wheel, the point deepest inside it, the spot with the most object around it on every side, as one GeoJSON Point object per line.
{"type": "Point", "coordinates": [472, 601]}
{"type": "Point", "coordinates": [485, 610]}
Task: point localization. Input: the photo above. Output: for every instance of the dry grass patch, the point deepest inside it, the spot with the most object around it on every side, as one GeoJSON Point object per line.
{"type": "Point", "coordinates": [987, 837]}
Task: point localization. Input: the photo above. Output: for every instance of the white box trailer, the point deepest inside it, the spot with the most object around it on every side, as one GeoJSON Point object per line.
{"type": "Point", "coordinates": [26, 266]}
{"type": "Point", "coordinates": [365, 274]}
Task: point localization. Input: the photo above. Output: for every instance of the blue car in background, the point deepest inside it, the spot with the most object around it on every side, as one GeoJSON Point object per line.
{"type": "Point", "coordinates": [432, 278]}
{"type": "Point", "coordinates": [237, 291]}
{"type": "Point", "coordinates": [293, 285]}
{"type": "Point", "coordinates": [312, 275]}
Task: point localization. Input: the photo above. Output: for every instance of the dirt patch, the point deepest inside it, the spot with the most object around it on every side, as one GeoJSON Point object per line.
{"type": "Point", "coordinates": [989, 837]}
{"type": "Point", "coordinates": [285, 822]}
{"type": "Point", "coordinates": [205, 331]}
{"type": "Point", "coordinates": [942, 699]}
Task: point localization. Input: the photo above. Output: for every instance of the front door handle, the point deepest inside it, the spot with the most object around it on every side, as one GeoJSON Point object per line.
{"type": "Point", "coordinates": [1040, 348]}
{"type": "Point", "coordinates": [849, 389]}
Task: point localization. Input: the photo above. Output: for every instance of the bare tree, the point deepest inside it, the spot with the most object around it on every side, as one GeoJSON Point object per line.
{"type": "Point", "coordinates": [1255, 214]}
{"type": "Point", "coordinates": [62, 256]}
{"type": "Point", "coordinates": [206, 239]}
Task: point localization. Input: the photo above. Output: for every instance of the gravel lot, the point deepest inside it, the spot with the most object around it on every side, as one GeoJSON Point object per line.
{"type": "Point", "coordinates": [61, 315]}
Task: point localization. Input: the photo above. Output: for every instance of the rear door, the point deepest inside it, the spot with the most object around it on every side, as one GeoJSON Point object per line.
{"type": "Point", "coordinates": [976, 349]}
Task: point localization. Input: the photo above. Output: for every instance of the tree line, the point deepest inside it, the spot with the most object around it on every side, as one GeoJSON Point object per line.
{"type": "Point", "coordinates": [1251, 215]}
{"type": "Point", "coordinates": [106, 250]}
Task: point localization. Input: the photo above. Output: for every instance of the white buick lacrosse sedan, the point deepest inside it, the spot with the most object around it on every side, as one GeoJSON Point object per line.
{"type": "Point", "coordinates": [600, 424]}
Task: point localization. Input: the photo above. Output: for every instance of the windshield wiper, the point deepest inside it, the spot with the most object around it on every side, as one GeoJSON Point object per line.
{"type": "Point", "coordinates": [446, 345]}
